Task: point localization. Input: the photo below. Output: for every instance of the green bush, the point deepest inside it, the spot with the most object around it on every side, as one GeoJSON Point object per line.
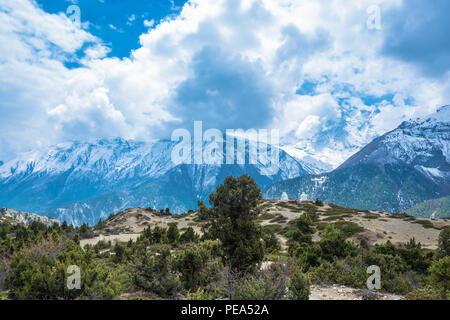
{"type": "Point", "coordinates": [425, 223]}
{"type": "Point", "coordinates": [444, 242]}
{"type": "Point", "coordinates": [333, 244]}
{"type": "Point", "coordinates": [347, 272]}
{"type": "Point", "coordinates": [349, 228]}
{"type": "Point", "coordinates": [198, 264]}
{"type": "Point", "coordinates": [440, 273]}
{"type": "Point", "coordinates": [272, 228]}
{"type": "Point", "coordinates": [188, 235]}
{"type": "Point", "coordinates": [151, 272]}
{"type": "Point", "coordinates": [298, 286]}
{"type": "Point", "coordinates": [40, 272]}
{"type": "Point", "coordinates": [271, 243]}
{"type": "Point", "coordinates": [258, 288]}
{"type": "Point", "coordinates": [426, 293]}
{"type": "Point", "coordinates": [199, 295]}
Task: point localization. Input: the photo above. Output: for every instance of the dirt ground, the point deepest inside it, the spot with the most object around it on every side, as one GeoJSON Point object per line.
{"type": "Point", "coordinates": [338, 292]}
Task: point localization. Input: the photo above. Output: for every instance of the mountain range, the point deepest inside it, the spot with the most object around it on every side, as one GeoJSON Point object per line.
{"type": "Point", "coordinates": [395, 172]}
{"type": "Point", "coordinates": [82, 182]}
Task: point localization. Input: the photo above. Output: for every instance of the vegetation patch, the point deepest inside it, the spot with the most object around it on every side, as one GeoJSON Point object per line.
{"type": "Point", "coordinates": [279, 218]}
{"type": "Point", "coordinates": [266, 216]}
{"type": "Point", "coordinates": [427, 224]}
{"type": "Point", "coordinates": [398, 215]}
{"type": "Point", "coordinates": [274, 228]}
{"type": "Point", "coordinates": [348, 227]}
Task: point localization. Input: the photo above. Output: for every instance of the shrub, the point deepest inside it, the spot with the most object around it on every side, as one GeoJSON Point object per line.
{"type": "Point", "coordinates": [427, 224]}
{"type": "Point", "coordinates": [298, 286]}
{"type": "Point", "coordinates": [271, 243]}
{"type": "Point", "coordinates": [203, 211]}
{"type": "Point", "coordinates": [426, 293]}
{"type": "Point", "coordinates": [347, 272]}
{"type": "Point", "coordinates": [257, 288]}
{"type": "Point", "coordinates": [199, 264]}
{"type": "Point", "coordinates": [199, 295]}
{"type": "Point", "coordinates": [333, 244]}
{"type": "Point", "coordinates": [393, 269]}
{"type": "Point", "coordinates": [444, 242]}
{"type": "Point", "coordinates": [440, 273]}
{"type": "Point", "coordinates": [271, 228]}
{"type": "Point", "coordinates": [348, 227]}
{"type": "Point", "coordinates": [266, 216]}
{"type": "Point", "coordinates": [151, 271]}
{"type": "Point", "coordinates": [40, 272]}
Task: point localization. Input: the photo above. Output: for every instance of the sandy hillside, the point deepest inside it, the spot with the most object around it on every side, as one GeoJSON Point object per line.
{"type": "Point", "coordinates": [378, 227]}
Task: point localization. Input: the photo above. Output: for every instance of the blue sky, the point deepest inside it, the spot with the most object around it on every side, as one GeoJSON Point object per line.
{"type": "Point", "coordinates": [118, 23]}
{"type": "Point", "coordinates": [315, 70]}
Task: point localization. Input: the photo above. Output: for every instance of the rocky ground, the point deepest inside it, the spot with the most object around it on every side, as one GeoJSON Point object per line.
{"type": "Point", "coordinates": [338, 292]}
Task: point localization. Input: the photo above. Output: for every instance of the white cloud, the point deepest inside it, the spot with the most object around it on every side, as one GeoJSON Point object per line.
{"type": "Point", "coordinates": [148, 23]}
{"type": "Point", "coordinates": [283, 43]}
{"type": "Point", "coordinates": [131, 19]}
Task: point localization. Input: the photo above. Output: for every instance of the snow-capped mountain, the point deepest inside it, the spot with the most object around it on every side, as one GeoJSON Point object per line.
{"type": "Point", "coordinates": [394, 172]}
{"type": "Point", "coordinates": [309, 162]}
{"type": "Point", "coordinates": [83, 182]}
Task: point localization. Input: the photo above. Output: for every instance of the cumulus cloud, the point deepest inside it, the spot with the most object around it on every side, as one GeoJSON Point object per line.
{"type": "Point", "coordinates": [418, 33]}
{"type": "Point", "coordinates": [230, 63]}
{"type": "Point", "coordinates": [223, 84]}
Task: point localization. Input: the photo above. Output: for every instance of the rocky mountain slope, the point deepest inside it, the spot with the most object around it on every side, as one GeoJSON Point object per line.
{"type": "Point", "coordinates": [26, 217]}
{"type": "Point", "coordinates": [395, 172]}
{"type": "Point", "coordinates": [83, 182]}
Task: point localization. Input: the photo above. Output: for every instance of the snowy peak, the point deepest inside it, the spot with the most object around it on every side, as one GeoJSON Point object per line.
{"type": "Point", "coordinates": [83, 181]}
{"type": "Point", "coordinates": [442, 114]}
{"type": "Point", "coordinates": [393, 173]}
{"type": "Point", "coordinates": [419, 142]}
{"type": "Point", "coordinates": [106, 156]}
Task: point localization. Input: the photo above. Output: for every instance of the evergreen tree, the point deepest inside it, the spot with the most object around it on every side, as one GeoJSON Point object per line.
{"type": "Point", "coordinates": [188, 236]}
{"type": "Point", "coordinates": [444, 242]}
{"type": "Point", "coordinates": [233, 222]}
{"type": "Point", "coordinates": [173, 235]}
{"type": "Point", "coordinates": [203, 211]}
{"type": "Point", "coordinates": [234, 212]}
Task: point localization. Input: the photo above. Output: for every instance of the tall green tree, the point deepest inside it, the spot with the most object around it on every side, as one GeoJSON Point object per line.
{"type": "Point", "coordinates": [233, 221]}
{"type": "Point", "coordinates": [203, 211]}
{"type": "Point", "coordinates": [188, 235]}
{"type": "Point", "coordinates": [173, 234]}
